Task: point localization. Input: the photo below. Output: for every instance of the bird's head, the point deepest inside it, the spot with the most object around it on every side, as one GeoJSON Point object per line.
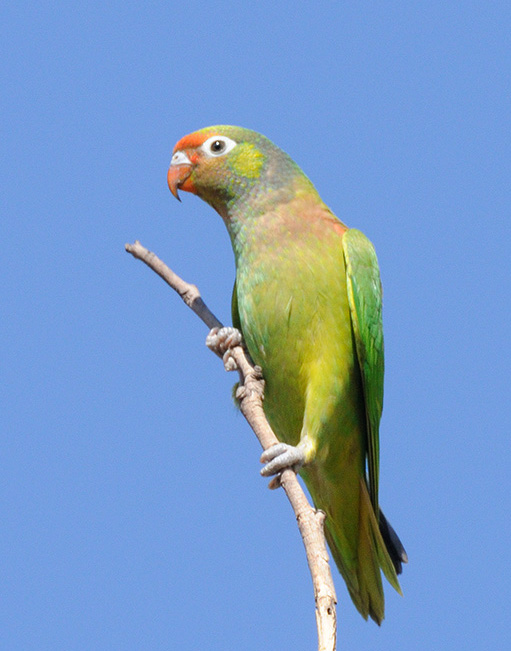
{"type": "Point", "coordinates": [226, 166]}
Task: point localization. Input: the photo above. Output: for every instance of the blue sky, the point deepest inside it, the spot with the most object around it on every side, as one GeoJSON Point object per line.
{"type": "Point", "coordinates": [132, 511]}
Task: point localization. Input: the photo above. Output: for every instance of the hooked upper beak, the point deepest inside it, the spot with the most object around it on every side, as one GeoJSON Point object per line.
{"type": "Point", "coordinates": [179, 171]}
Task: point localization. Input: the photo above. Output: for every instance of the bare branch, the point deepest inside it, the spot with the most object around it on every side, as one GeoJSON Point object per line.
{"type": "Point", "coordinates": [250, 396]}
{"type": "Point", "coordinates": [188, 292]}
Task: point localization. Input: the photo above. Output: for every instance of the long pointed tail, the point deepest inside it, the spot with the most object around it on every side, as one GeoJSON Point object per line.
{"type": "Point", "coordinates": [378, 548]}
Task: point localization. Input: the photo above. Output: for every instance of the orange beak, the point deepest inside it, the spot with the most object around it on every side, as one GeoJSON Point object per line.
{"type": "Point", "coordinates": [177, 178]}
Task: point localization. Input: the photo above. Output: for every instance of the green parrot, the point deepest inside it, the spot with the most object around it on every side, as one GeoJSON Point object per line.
{"type": "Point", "coordinates": [307, 300]}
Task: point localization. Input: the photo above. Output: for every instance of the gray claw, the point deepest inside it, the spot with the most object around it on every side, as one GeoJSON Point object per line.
{"type": "Point", "coordinates": [275, 482]}
{"type": "Point", "coordinates": [281, 456]}
{"type": "Point", "coordinates": [221, 341]}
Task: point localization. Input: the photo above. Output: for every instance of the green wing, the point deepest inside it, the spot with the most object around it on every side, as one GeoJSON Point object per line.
{"type": "Point", "coordinates": [365, 300]}
{"type": "Point", "coordinates": [234, 309]}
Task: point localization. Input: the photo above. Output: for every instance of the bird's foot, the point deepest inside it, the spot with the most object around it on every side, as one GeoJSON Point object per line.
{"type": "Point", "coordinates": [221, 341]}
{"type": "Point", "coordinates": [279, 457]}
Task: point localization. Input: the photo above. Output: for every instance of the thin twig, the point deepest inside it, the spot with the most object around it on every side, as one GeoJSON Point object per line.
{"type": "Point", "coordinates": [250, 396]}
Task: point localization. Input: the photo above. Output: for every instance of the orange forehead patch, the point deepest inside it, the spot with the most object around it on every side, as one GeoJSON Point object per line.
{"type": "Point", "coordinates": [193, 140]}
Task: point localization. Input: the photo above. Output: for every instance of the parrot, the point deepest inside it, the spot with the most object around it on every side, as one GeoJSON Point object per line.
{"type": "Point", "coordinates": [307, 300]}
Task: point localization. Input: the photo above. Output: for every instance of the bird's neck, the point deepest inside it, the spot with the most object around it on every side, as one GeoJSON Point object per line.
{"type": "Point", "coordinates": [268, 211]}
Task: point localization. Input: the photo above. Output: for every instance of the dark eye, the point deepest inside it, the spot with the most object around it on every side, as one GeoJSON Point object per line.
{"type": "Point", "coordinates": [217, 146]}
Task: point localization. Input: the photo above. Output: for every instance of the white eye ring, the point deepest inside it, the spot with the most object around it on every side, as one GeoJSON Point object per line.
{"type": "Point", "coordinates": [217, 146]}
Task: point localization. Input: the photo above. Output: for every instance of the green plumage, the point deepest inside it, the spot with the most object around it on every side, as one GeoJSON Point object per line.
{"type": "Point", "coordinates": [307, 299]}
